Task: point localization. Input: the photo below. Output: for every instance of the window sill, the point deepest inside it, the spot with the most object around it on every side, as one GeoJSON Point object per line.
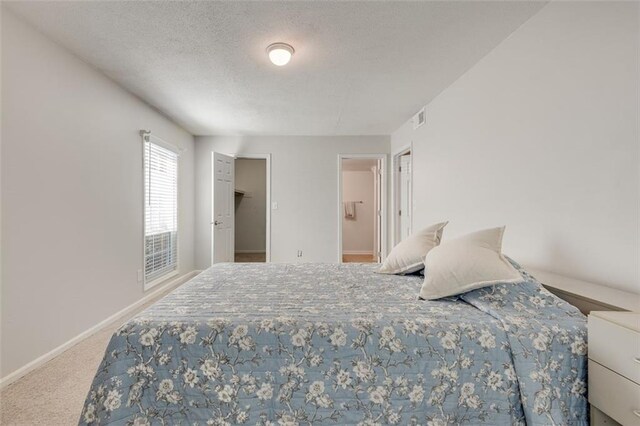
{"type": "Point", "coordinates": [149, 285]}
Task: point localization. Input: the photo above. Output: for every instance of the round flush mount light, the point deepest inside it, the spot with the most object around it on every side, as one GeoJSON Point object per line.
{"type": "Point", "coordinates": [280, 53]}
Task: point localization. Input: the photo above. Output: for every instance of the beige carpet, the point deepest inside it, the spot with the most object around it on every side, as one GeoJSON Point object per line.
{"type": "Point", "coordinates": [250, 257]}
{"type": "Point", "coordinates": [358, 258]}
{"type": "Point", "coordinates": [53, 394]}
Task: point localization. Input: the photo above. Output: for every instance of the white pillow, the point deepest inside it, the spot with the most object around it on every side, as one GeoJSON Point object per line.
{"type": "Point", "coordinates": [408, 255]}
{"type": "Point", "coordinates": [467, 263]}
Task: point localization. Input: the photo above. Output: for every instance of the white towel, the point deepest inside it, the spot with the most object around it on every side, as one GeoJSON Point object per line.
{"type": "Point", "coordinates": [350, 209]}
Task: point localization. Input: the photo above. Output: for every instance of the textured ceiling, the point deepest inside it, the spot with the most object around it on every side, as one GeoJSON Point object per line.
{"type": "Point", "coordinates": [359, 67]}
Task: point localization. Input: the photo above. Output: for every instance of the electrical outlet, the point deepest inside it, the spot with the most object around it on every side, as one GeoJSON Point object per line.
{"type": "Point", "coordinates": [140, 276]}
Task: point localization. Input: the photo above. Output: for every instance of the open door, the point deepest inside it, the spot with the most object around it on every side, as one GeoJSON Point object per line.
{"type": "Point", "coordinates": [404, 211]}
{"type": "Point", "coordinates": [222, 226]}
{"type": "Point", "coordinates": [377, 232]}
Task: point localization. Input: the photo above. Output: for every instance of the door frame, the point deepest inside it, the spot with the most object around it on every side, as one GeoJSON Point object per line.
{"type": "Point", "coordinates": [383, 198]}
{"type": "Point", "coordinates": [395, 191]}
{"type": "Point", "coordinates": [267, 158]}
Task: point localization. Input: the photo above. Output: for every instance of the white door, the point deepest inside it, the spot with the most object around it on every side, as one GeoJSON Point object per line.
{"type": "Point", "coordinates": [222, 209]}
{"type": "Point", "coordinates": [405, 196]}
{"type": "Point", "coordinates": [377, 232]}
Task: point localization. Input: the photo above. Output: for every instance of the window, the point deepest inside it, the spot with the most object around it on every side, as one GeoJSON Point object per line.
{"type": "Point", "coordinates": [160, 211]}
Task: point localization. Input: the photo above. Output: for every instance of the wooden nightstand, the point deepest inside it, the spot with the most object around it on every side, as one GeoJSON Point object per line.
{"type": "Point", "coordinates": [614, 367]}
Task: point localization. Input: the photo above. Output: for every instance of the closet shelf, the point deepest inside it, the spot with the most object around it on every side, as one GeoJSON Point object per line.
{"type": "Point", "coordinates": [239, 192]}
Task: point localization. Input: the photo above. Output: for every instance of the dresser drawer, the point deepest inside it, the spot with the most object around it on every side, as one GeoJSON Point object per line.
{"type": "Point", "coordinates": [615, 347]}
{"type": "Point", "coordinates": [616, 396]}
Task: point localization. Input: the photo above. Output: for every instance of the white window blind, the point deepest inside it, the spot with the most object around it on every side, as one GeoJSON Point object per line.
{"type": "Point", "coordinates": [161, 211]}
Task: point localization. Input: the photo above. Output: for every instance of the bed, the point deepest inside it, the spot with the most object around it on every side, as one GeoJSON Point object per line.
{"type": "Point", "coordinates": [288, 344]}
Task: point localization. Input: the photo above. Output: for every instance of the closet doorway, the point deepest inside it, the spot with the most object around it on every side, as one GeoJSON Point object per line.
{"type": "Point", "coordinates": [251, 208]}
{"type": "Point", "coordinates": [362, 188]}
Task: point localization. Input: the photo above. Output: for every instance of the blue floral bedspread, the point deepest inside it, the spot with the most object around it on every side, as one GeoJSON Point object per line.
{"type": "Point", "coordinates": [289, 344]}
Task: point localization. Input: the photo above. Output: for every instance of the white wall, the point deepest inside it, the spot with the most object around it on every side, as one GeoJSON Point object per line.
{"type": "Point", "coordinates": [250, 209]}
{"type": "Point", "coordinates": [357, 234]}
{"type": "Point", "coordinates": [542, 135]}
{"type": "Point", "coordinates": [304, 173]}
{"type": "Point", "coordinates": [72, 195]}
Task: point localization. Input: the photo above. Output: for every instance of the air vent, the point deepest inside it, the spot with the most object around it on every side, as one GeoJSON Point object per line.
{"type": "Point", "coordinates": [419, 119]}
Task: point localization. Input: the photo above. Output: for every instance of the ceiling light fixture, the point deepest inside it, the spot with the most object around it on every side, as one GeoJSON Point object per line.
{"type": "Point", "coordinates": [280, 53]}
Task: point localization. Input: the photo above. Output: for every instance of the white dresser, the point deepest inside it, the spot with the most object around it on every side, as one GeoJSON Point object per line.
{"type": "Point", "coordinates": [614, 367]}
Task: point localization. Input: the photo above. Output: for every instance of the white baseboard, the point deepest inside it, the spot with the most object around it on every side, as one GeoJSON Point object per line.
{"type": "Point", "coordinates": [370, 253]}
{"type": "Point", "coordinates": [22, 371]}
{"type": "Point", "coordinates": [250, 251]}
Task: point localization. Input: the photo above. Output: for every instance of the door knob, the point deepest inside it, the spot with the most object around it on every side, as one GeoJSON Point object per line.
{"type": "Point", "coordinates": [215, 222]}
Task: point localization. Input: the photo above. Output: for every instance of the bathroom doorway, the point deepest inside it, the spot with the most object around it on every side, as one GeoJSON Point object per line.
{"type": "Point", "coordinates": [362, 190]}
